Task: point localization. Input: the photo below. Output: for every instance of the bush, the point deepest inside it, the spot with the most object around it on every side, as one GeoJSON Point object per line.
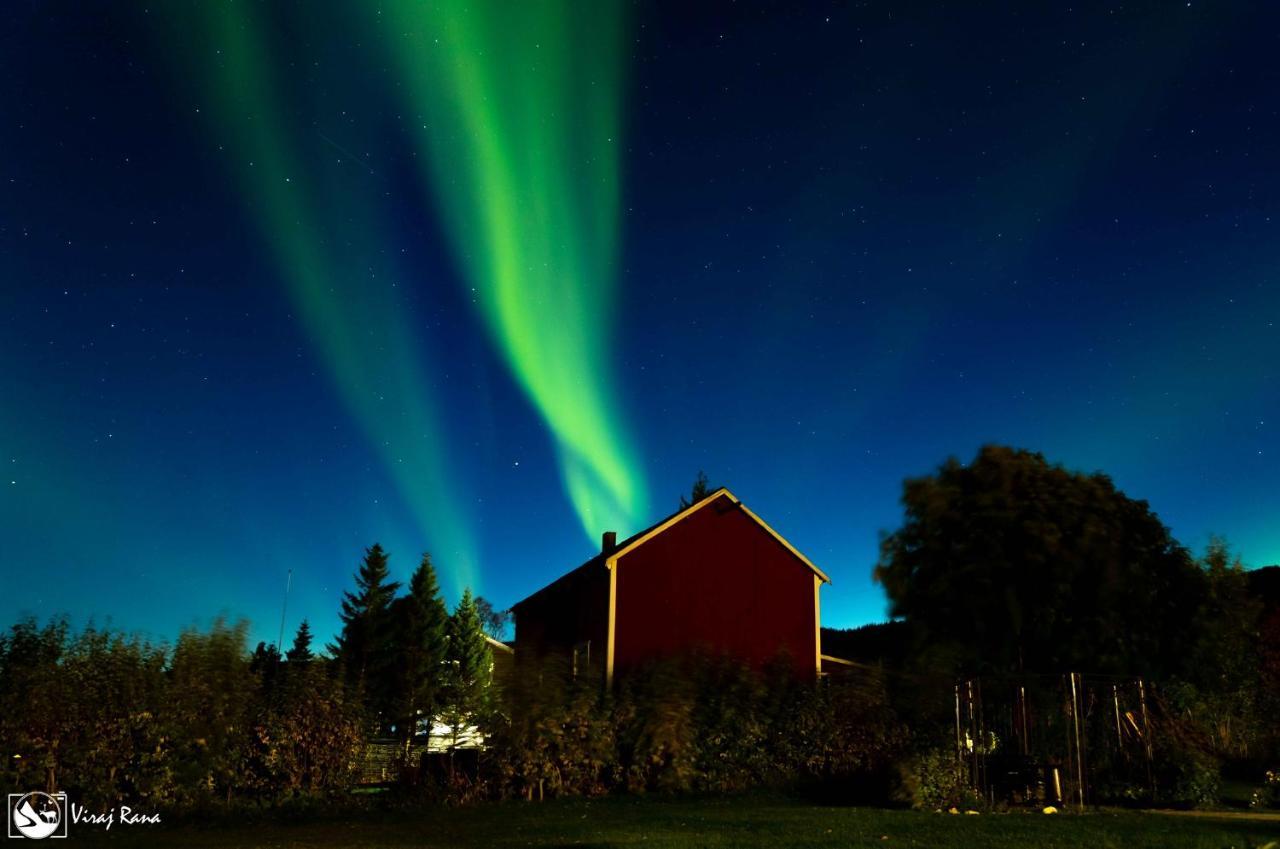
{"type": "Point", "coordinates": [691, 724]}
{"type": "Point", "coordinates": [113, 719]}
{"type": "Point", "coordinates": [551, 735]}
{"type": "Point", "coordinates": [932, 780]}
{"type": "Point", "coordinates": [1268, 795]}
{"type": "Point", "coordinates": [1188, 778]}
{"type": "Point", "coordinates": [308, 735]}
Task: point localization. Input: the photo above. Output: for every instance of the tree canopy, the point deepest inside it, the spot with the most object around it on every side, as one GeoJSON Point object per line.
{"type": "Point", "coordinates": [364, 645]}
{"type": "Point", "coordinates": [301, 651]}
{"type": "Point", "coordinates": [1013, 563]}
{"type": "Point", "coordinates": [422, 623]}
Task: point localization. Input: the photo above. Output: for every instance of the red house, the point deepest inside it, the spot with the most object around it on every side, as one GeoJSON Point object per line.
{"type": "Point", "coordinates": [712, 577]}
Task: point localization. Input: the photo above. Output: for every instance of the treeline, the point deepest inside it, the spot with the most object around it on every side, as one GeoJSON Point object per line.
{"type": "Point", "coordinates": [111, 717]}
{"type": "Point", "coordinates": [207, 724]}
{"type": "Point", "coordinates": [1007, 574]}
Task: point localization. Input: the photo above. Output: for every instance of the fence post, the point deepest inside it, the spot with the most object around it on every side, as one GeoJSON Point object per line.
{"type": "Point", "coordinates": [1075, 716]}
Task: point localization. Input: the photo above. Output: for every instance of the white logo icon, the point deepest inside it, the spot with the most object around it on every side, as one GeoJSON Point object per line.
{"type": "Point", "coordinates": [37, 815]}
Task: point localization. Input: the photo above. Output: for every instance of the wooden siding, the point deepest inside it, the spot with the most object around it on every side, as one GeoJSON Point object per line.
{"type": "Point", "coordinates": [567, 613]}
{"type": "Point", "coordinates": [715, 581]}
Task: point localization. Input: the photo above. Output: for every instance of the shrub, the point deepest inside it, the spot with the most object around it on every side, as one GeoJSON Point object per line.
{"type": "Point", "coordinates": [689, 724]}
{"type": "Point", "coordinates": [1188, 778]}
{"type": "Point", "coordinates": [308, 735]}
{"type": "Point", "coordinates": [933, 780]}
{"type": "Point", "coordinates": [1268, 795]}
{"type": "Point", "coordinates": [550, 735]}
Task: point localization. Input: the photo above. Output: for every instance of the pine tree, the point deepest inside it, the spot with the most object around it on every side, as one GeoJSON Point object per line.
{"type": "Point", "coordinates": [701, 489]}
{"type": "Point", "coordinates": [422, 634]}
{"type": "Point", "coordinates": [301, 651]}
{"type": "Point", "coordinates": [265, 661]}
{"type": "Point", "coordinates": [363, 647]}
{"type": "Point", "coordinates": [469, 665]}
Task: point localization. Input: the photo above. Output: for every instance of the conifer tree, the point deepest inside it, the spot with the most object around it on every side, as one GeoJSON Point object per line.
{"type": "Point", "coordinates": [265, 661]}
{"type": "Point", "coordinates": [422, 633]}
{"type": "Point", "coordinates": [363, 646]}
{"type": "Point", "coordinates": [701, 489]}
{"type": "Point", "coordinates": [301, 651]}
{"type": "Point", "coordinates": [469, 665]}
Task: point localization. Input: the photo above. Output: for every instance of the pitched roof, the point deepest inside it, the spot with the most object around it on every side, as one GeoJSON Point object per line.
{"type": "Point", "coordinates": [641, 537]}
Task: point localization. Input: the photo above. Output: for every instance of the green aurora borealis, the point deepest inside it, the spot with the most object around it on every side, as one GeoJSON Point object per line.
{"type": "Point", "coordinates": [377, 375]}
{"type": "Point", "coordinates": [519, 108]}
{"type": "Point", "coordinates": [282, 280]}
{"type": "Point", "coordinates": [520, 126]}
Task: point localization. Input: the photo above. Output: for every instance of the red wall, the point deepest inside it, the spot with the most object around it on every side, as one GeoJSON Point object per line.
{"type": "Point", "coordinates": [714, 581]}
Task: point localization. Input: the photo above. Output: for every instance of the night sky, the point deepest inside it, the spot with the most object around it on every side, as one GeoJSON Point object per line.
{"type": "Point", "coordinates": [278, 282]}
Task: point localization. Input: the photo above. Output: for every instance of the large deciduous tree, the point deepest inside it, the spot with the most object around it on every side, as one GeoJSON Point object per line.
{"type": "Point", "coordinates": [1011, 563]}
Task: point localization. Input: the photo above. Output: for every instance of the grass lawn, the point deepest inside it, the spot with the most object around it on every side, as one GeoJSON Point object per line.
{"type": "Point", "coordinates": [734, 823]}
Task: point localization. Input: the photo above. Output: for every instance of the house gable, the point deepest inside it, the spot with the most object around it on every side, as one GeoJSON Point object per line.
{"type": "Point", "coordinates": [713, 576]}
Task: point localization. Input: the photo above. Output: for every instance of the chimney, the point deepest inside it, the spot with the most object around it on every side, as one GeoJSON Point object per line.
{"type": "Point", "coordinates": [608, 542]}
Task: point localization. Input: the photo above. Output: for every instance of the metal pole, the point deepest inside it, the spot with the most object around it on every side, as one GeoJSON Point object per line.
{"type": "Point", "coordinates": [973, 739]}
{"type": "Point", "coordinates": [1115, 700]}
{"type": "Point", "coordinates": [1022, 701]}
{"type": "Point", "coordinates": [288, 582]}
{"type": "Point", "coordinates": [982, 747]}
{"type": "Point", "coordinates": [959, 744]}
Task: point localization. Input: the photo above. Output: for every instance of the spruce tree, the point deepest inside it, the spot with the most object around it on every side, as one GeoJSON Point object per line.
{"type": "Point", "coordinates": [469, 665]}
{"type": "Point", "coordinates": [363, 647]}
{"type": "Point", "coordinates": [301, 651]}
{"type": "Point", "coordinates": [422, 633]}
{"type": "Point", "coordinates": [701, 489]}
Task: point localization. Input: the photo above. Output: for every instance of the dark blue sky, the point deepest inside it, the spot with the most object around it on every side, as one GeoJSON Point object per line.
{"type": "Point", "coordinates": [856, 239]}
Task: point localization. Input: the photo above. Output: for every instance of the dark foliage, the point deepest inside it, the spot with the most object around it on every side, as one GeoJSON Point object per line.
{"type": "Point", "coordinates": [695, 724]}
{"type": "Point", "coordinates": [114, 719]}
{"type": "Point", "coordinates": [420, 622]}
{"type": "Point", "coordinates": [493, 621]}
{"type": "Point", "coordinates": [364, 647]}
{"type": "Point", "coordinates": [300, 652]}
{"type": "Point", "coordinates": [1011, 563]}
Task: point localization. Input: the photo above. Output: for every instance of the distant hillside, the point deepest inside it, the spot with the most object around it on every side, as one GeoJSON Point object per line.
{"type": "Point", "coordinates": [887, 643]}
{"type": "Point", "coordinates": [1265, 584]}
{"type": "Point", "coordinates": [884, 643]}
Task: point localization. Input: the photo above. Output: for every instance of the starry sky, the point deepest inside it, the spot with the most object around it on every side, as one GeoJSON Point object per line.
{"type": "Point", "coordinates": [279, 281]}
